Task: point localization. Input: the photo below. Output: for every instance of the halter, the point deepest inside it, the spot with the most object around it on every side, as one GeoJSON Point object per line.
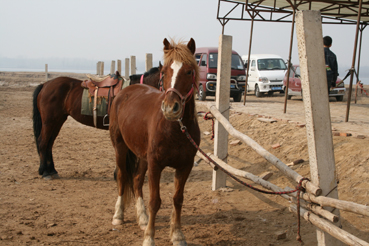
{"type": "Point", "coordinates": [142, 79]}
{"type": "Point", "coordinates": [184, 99]}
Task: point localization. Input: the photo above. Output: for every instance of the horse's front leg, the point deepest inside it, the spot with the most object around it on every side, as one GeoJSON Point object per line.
{"type": "Point", "coordinates": [154, 204]}
{"type": "Point", "coordinates": [176, 234]}
{"type": "Point", "coordinates": [142, 218]}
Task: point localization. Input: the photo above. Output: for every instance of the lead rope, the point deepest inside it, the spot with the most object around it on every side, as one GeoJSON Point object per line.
{"type": "Point", "coordinates": [299, 188]}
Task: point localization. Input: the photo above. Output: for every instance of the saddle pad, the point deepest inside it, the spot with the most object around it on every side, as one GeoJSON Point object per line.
{"type": "Point", "coordinates": [87, 102]}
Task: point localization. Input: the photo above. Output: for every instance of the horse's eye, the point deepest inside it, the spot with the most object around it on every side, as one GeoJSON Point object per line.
{"type": "Point", "coordinates": [189, 72]}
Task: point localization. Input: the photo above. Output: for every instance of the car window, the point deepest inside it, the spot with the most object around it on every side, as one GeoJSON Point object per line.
{"type": "Point", "coordinates": [271, 64]}
{"type": "Point", "coordinates": [204, 60]}
{"type": "Point", "coordinates": [213, 60]}
{"type": "Point", "coordinates": [292, 72]}
{"type": "Point", "coordinates": [236, 62]}
{"type": "Point", "coordinates": [298, 71]}
{"type": "Point", "coordinates": [197, 57]}
{"type": "Point", "coordinates": [253, 64]}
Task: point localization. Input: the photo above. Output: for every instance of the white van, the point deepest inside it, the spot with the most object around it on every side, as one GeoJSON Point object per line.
{"type": "Point", "coordinates": [266, 73]}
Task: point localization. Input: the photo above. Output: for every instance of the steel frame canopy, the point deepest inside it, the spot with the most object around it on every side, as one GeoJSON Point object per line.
{"type": "Point", "coordinates": [347, 12]}
{"type": "Point", "coordinates": [333, 12]}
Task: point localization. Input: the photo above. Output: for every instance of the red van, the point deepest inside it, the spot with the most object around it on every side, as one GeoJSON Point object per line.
{"type": "Point", "coordinates": [207, 58]}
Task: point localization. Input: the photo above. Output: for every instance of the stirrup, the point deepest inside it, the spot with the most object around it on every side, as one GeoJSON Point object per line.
{"type": "Point", "coordinates": [105, 116]}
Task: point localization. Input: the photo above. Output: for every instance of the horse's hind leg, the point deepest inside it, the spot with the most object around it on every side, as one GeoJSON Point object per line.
{"type": "Point", "coordinates": [139, 179]}
{"type": "Point", "coordinates": [46, 141]}
{"type": "Point", "coordinates": [120, 154]}
{"type": "Point", "coordinates": [176, 234]}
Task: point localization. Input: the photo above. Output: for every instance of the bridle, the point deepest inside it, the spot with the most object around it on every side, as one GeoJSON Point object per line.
{"type": "Point", "coordinates": [184, 99]}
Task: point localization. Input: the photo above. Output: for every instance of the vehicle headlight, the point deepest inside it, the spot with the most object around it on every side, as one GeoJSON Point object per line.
{"type": "Point", "coordinates": [241, 78]}
{"type": "Point", "coordinates": [263, 79]}
{"type": "Point", "coordinates": [211, 76]}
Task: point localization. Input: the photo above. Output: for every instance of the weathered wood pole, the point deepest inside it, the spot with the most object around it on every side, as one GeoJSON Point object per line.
{"type": "Point", "coordinates": [222, 104]}
{"type": "Point", "coordinates": [101, 68]}
{"type": "Point", "coordinates": [119, 66]}
{"type": "Point", "coordinates": [133, 65]}
{"type": "Point", "coordinates": [148, 64]}
{"type": "Point", "coordinates": [317, 112]}
{"type": "Point", "coordinates": [112, 67]}
{"type": "Point", "coordinates": [46, 73]}
{"type": "Point", "coordinates": [126, 68]}
{"type": "Point", "coordinates": [98, 68]}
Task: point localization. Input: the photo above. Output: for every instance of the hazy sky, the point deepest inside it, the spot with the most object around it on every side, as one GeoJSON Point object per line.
{"type": "Point", "coordinates": [116, 29]}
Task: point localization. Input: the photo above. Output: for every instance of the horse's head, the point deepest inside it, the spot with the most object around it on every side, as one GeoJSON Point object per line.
{"type": "Point", "coordinates": [180, 77]}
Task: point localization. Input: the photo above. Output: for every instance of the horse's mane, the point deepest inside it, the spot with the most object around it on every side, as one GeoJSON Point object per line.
{"type": "Point", "coordinates": [150, 72]}
{"type": "Point", "coordinates": [180, 52]}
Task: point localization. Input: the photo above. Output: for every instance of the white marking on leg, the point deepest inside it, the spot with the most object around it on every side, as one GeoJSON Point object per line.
{"type": "Point", "coordinates": [176, 66]}
{"type": "Point", "coordinates": [142, 218]}
{"type": "Point", "coordinates": [118, 216]}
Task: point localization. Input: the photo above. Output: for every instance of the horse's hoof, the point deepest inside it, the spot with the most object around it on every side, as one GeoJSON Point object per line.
{"type": "Point", "coordinates": [48, 177]}
{"type": "Point", "coordinates": [117, 222]}
{"type": "Point", "coordinates": [55, 176]}
{"type": "Point", "coordinates": [148, 242]}
{"type": "Point", "coordinates": [180, 243]}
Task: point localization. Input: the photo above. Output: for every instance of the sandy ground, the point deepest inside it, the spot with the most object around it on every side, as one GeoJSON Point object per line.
{"type": "Point", "coordinates": [77, 209]}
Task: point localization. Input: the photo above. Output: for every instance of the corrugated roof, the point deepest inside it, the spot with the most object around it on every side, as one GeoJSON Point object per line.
{"type": "Point", "coordinates": [336, 12]}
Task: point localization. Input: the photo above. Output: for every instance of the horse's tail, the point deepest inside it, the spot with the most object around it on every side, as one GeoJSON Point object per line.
{"type": "Point", "coordinates": [131, 166]}
{"type": "Point", "coordinates": [37, 123]}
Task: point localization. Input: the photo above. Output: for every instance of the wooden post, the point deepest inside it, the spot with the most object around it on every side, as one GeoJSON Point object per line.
{"type": "Point", "coordinates": [101, 68]}
{"type": "Point", "coordinates": [222, 104]}
{"type": "Point", "coordinates": [46, 73]}
{"type": "Point", "coordinates": [98, 68]}
{"type": "Point", "coordinates": [112, 67]}
{"type": "Point", "coordinates": [119, 67]}
{"type": "Point", "coordinates": [148, 64]}
{"type": "Point", "coordinates": [126, 68]}
{"type": "Point", "coordinates": [317, 112]}
{"type": "Point", "coordinates": [133, 65]}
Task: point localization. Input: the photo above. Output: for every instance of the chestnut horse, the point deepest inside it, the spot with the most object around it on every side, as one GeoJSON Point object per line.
{"type": "Point", "coordinates": [145, 123]}
{"type": "Point", "coordinates": [53, 101]}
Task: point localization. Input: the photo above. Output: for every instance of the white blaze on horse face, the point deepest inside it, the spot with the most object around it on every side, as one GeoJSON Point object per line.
{"type": "Point", "coordinates": [176, 66]}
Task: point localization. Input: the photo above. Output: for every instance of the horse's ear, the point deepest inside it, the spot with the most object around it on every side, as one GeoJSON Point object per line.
{"type": "Point", "coordinates": [160, 66]}
{"type": "Point", "coordinates": [166, 43]}
{"type": "Point", "coordinates": [191, 45]}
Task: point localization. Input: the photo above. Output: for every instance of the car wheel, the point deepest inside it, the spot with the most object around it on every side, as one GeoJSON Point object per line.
{"type": "Point", "coordinates": [339, 98]}
{"type": "Point", "coordinates": [202, 94]}
{"type": "Point", "coordinates": [238, 97]}
{"type": "Point", "coordinates": [257, 91]}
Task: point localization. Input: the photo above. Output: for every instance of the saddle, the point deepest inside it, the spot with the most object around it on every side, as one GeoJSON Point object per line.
{"type": "Point", "coordinates": [107, 87]}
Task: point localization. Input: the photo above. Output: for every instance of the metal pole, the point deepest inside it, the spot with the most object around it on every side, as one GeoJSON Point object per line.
{"type": "Point", "coordinates": [289, 62]}
{"type": "Point", "coordinates": [353, 62]}
{"type": "Point", "coordinates": [358, 60]}
{"type": "Point", "coordinates": [248, 59]}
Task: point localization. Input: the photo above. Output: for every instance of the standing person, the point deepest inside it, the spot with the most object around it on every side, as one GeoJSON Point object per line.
{"type": "Point", "coordinates": [330, 63]}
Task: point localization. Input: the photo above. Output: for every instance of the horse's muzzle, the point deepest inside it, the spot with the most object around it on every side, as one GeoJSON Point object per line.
{"type": "Point", "coordinates": [171, 111]}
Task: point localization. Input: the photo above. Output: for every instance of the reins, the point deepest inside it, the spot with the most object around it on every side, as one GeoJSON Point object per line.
{"type": "Point", "coordinates": [298, 188]}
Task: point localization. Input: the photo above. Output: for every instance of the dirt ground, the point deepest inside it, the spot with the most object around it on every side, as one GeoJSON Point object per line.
{"type": "Point", "coordinates": [77, 209]}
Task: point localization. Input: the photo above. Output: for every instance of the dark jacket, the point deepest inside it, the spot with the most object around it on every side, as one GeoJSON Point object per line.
{"type": "Point", "coordinates": [331, 67]}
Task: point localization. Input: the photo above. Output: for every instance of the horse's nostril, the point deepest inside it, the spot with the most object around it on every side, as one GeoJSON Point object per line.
{"type": "Point", "coordinates": [176, 107]}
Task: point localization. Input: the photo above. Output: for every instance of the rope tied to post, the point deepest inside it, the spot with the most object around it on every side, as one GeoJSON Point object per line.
{"type": "Point", "coordinates": [298, 188]}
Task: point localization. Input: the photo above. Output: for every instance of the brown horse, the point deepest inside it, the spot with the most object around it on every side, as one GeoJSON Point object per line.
{"type": "Point", "coordinates": [145, 123]}
{"type": "Point", "coordinates": [53, 101]}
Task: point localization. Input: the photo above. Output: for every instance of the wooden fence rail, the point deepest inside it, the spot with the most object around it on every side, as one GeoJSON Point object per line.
{"type": "Point", "coordinates": [312, 201]}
